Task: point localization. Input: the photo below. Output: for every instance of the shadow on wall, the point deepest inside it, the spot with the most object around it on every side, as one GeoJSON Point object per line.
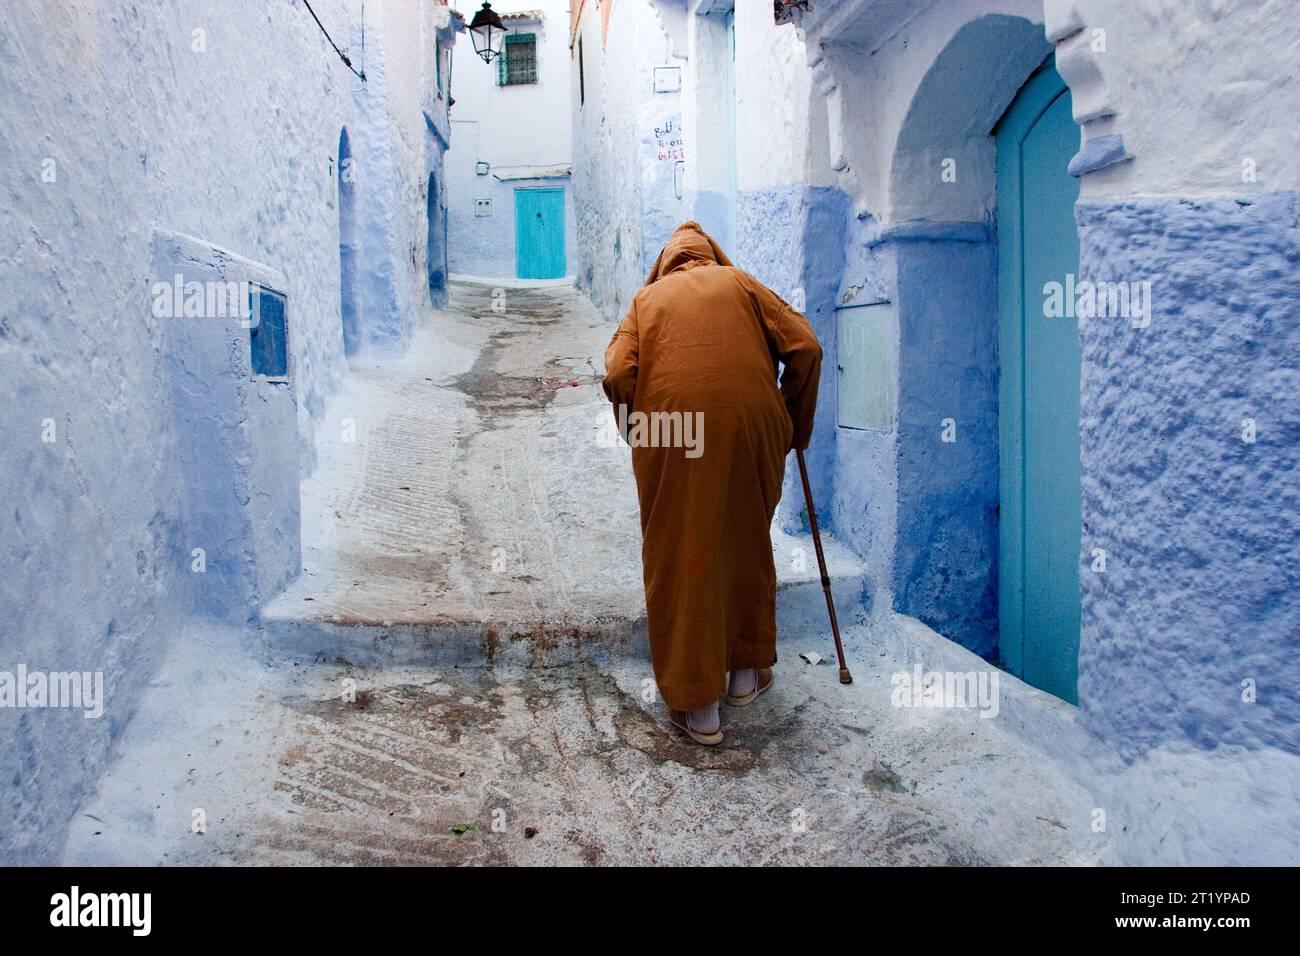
{"type": "Point", "coordinates": [349, 249]}
{"type": "Point", "coordinates": [437, 243]}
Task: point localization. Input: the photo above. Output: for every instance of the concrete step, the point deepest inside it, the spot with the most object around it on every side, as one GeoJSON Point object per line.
{"type": "Point", "coordinates": [612, 627]}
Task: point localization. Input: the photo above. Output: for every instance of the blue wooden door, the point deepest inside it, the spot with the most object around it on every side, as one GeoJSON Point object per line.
{"type": "Point", "coordinates": [539, 233]}
{"type": "Point", "coordinates": [1039, 556]}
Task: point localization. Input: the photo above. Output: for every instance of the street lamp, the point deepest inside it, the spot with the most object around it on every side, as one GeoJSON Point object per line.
{"type": "Point", "coordinates": [486, 30]}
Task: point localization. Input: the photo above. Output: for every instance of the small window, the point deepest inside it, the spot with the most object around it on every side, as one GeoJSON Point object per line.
{"type": "Point", "coordinates": [268, 335]}
{"type": "Point", "coordinates": [582, 84]}
{"type": "Point", "coordinates": [518, 59]}
{"type": "Point", "coordinates": [437, 63]}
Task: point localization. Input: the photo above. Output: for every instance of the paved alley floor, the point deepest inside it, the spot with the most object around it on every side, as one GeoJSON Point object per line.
{"type": "Point", "coordinates": [471, 499]}
{"type": "Point", "coordinates": [465, 508]}
{"type": "Point", "coordinates": [465, 482]}
{"type": "Point", "coordinates": [333, 763]}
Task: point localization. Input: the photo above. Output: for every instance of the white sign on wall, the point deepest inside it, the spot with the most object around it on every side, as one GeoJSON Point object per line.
{"type": "Point", "coordinates": [668, 79]}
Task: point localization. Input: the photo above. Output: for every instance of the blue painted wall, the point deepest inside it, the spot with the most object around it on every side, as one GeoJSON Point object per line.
{"type": "Point", "coordinates": [866, 462]}
{"type": "Point", "coordinates": [945, 569]}
{"type": "Point", "coordinates": [712, 210]}
{"type": "Point", "coordinates": [1201, 529]}
{"type": "Point", "coordinates": [102, 518]}
{"type": "Point", "coordinates": [350, 252]}
{"type": "Point", "coordinates": [792, 239]}
{"type": "Point", "coordinates": [435, 204]}
{"type": "Point", "coordinates": [921, 513]}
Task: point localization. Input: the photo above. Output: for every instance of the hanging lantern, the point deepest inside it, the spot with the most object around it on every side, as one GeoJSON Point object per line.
{"type": "Point", "coordinates": [486, 30]}
{"type": "Point", "coordinates": [787, 11]}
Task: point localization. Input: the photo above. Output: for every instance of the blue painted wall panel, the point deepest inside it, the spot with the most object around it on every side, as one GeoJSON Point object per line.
{"type": "Point", "coordinates": [1201, 529]}
{"type": "Point", "coordinates": [945, 566]}
{"type": "Point", "coordinates": [268, 338]}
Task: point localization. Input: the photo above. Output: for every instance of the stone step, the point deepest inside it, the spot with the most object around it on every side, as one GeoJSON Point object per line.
{"type": "Point", "coordinates": [613, 627]}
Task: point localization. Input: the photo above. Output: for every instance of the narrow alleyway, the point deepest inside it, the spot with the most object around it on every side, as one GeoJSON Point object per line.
{"type": "Point", "coordinates": [320, 542]}
{"type": "Point", "coordinates": [474, 527]}
{"type": "Point", "coordinates": [461, 497]}
{"type": "Point", "coordinates": [470, 503]}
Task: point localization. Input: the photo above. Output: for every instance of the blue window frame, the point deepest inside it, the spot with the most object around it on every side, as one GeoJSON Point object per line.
{"type": "Point", "coordinates": [268, 336]}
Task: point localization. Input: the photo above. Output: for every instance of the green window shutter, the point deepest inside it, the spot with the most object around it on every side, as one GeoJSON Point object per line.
{"type": "Point", "coordinates": [501, 61]}
{"type": "Point", "coordinates": [518, 65]}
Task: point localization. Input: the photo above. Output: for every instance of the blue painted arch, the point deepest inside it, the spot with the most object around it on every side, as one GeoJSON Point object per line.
{"type": "Point", "coordinates": [942, 253]}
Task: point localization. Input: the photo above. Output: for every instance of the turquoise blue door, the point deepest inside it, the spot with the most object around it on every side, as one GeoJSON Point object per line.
{"type": "Point", "coordinates": [539, 233]}
{"type": "Point", "coordinates": [1039, 555]}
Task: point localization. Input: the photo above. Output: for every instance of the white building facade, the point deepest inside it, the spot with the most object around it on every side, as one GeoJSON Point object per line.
{"type": "Point", "coordinates": [631, 149]}
{"type": "Point", "coordinates": [510, 196]}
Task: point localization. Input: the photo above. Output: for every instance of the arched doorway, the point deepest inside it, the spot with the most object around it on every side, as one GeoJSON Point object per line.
{"type": "Point", "coordinates": [1038, 400]}
{"type": "Point", "coordinates": [937, 241]}
{"type": "Point", "coordinates": [349, 249]}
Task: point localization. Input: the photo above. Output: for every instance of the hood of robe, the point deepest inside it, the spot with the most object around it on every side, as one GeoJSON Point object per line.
{"type": "Point", "coordinates": [689, 245]}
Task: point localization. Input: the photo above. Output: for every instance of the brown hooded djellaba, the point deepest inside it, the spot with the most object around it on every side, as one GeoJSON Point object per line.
{"type": "Point", "coordinates": [704, 337]}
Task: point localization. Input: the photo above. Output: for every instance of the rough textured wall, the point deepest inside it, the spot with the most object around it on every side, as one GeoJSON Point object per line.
{"type": "Point", "coordinates": [768, 221]}
{"type": "Point", "coordinates": [606, 181]}
{"type": "Point", "coordinates": [441, 28]}
{"type": "Point", "coordinates": [1204, 523]}
{"type": "Point", "coordinates": [709, 116]}
{"type": "Point", "coordinates": [773, 86]}
{"type": "Point", "coordinates": [789, 230]}
{"type": "Point", "coordinates": [119, 118]}
{"type": "Point", "coordinates": [945, 570]}
{"type": "Point", "coordinates": [792, 240]}
{"type": "Point", "coordinates": [1194, 89]}
{"type": "Point", "coordinates": [234, 435]}
{"type": "Point", "coordinates": [618, 187]}
{"type": "Point", "coordinates": [865, 470]}
{"type": "Point", "coordinates": [389, 179]}
{"type": "Point", "coordinates": [1201, 529]}
{"type": "Point", "coordinates": [874, 65]}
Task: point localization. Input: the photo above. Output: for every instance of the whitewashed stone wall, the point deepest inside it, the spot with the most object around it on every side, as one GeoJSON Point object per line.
{"type": "Point", "coordinates": [626, 198]}
{"type": "Point", "coordinates": [220, 122]}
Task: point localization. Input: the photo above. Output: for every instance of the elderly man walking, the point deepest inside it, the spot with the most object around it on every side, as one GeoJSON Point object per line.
{"type": "Point", "coordinates": [703, 341]}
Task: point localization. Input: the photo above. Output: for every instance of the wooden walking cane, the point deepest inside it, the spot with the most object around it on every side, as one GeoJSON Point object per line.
{"type": "Point", "coordinates": [845, 676]}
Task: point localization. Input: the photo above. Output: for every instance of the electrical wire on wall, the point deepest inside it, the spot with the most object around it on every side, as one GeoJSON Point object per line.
{"type": "Point", "coordinates": [343, 56]}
